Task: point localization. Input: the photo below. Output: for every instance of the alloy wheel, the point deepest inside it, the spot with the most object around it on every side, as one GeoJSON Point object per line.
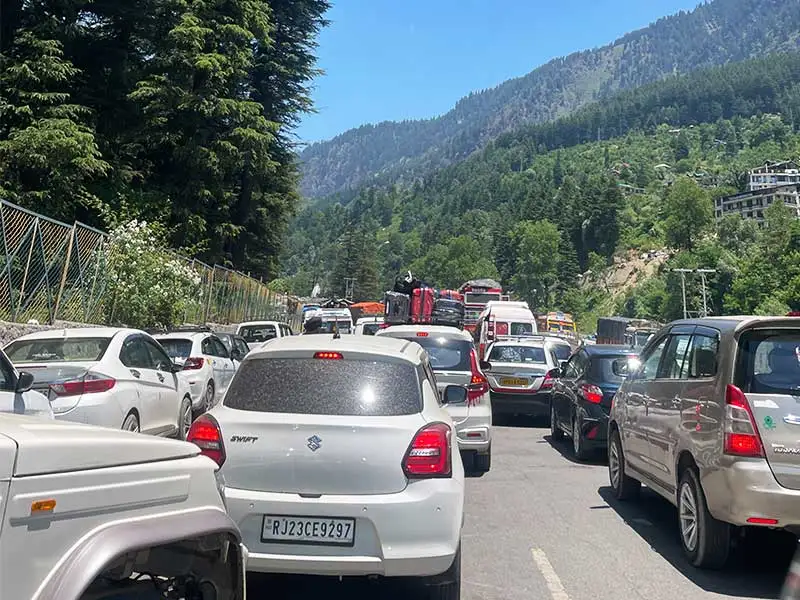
{"type": "Point", "coordinates": [576, 436]}
{"type": "Point", "coordinates": [209, 396]}
{"type": "Point", "coordinates": [186, 420]}
{"type": "Point", "coordinates": [614, 465]}
{"type": "Point", "coordinates": [687, 514]}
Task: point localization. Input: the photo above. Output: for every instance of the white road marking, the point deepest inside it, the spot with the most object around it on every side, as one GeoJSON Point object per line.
{"type": "Point", "coordinates": [551, 578]}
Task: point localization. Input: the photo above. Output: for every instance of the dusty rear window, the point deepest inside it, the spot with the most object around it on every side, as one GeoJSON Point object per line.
{"type": "Point", "coordinates": [57, 350]}
{"type": "Point", "coordinates": [518, 354]}
{"type": "Point", "coordinates": [176, 348]}
{"type": "Point", "coordinates": [768, 362]}
{"type": "Point", "coordinates": [256, 334]}
{"type": "Point", "coordinates": [446, 354]}
{"type": "Point", "coordinates": [325, 387]}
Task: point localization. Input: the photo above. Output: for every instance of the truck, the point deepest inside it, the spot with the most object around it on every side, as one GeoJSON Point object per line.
{"type": "Point", "coordinates": [625, 331]}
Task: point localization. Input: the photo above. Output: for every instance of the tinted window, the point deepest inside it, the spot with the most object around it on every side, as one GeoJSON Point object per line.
{"type": "Point", "coordinates": [446, 354]}
{"type": "Point", "coordinates": [611, 369]}
{"type": "Point", "coordinates": [226, 340]}
{"type": "Point", "coordinates": [701, 361]}
{"type": "Point", "coordinates": [342, 326]}
{"type": "Point", "coordinates": [134, 354]}
{"type": "Point", "coordinates": [325, 387]}
{"type": "Point", "coordinates": [258, 333]}
{"type": "Point", "coordinates": [769, 362]}
{"type": "Point", "coordinates": [206, 347]}
{"type": "Point", "coordinates": [577, 366]}
{"type": "Point", "coordinates": [517, 354]}
{"type": "Point", "coordinates": [521, 328]}
{"type": "Point", "coordinates": [672, 367]}
{"type": "Point", "coordinates": [562, 351]}
{"type": "Point", "coordinates": [177, 349]}
{"type": "Point", "coordinates": [219, 348]}
{"type": "Point", "coordinates": [57, 350]}
{"type": "Point", "coordinates": [371, 328]}
{"type": "Point", "coordinates": [651, 359]}
{"type": "Point", "coordinates": [158, 357]}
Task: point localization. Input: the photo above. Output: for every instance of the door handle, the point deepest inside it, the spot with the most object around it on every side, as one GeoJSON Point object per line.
{"type": "Point", "coordinates": [136, 373]}
{"type": "Point", "coordinates": [160, 377]}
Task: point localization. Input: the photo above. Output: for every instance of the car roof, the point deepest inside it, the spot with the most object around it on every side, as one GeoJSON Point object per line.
{"type": "Point", "coordinates": [370, 319]}
{"type": "Point", "coordinates": [520, 341]}
{"type": "Point", "coordinates": [737, 322]}
{"type": "Point", "coordinates": [371, 345]}
{"type": "Point", "coordinates": [609, 350]}
{"type": "Point", "coordinates": [438, 330]}
{"type": "Point", "coordinates": [77, 332]}
{"type": "Point", "coordinates": [183, 335]}
{"type": "Point", "coordinates": [251, 323]}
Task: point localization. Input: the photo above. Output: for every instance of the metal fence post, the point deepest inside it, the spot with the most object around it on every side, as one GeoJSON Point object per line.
{"type": "Point", "coordinates": [64, 274]}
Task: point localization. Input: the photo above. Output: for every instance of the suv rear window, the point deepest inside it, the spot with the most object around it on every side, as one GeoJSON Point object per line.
{"type": "Point", "coordinates": [258, 333]}
{"type": "Point", "coordinates": [325, 387]}
{"type": "Point", "coordinates": [445, 354]}
{"type": "Point", "coordinates": [768, 362]}
{"type": "Point", "coordinates": [43, 350]}
{"type": "Point", "coordinates": [176, 348]}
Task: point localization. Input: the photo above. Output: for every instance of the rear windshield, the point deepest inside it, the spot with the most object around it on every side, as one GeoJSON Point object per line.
{"type": "Point", "coordinates": [256, 334]}
{"type": "Point", "coordinates": [342, 326]}
{"type": "Point", "coordinates": [562, 351]}
{"type": "Point", "coordinates": [82, 349]}
{"type": "Point", "coordinates": [769, 362]}
{"type": "Point", "coordinates": [176, 348]}
{"type": "Point", "coordinates": [446, 354]}
{"type": "Point", "coordinates": [521, 328]}
{"type": "Point", "coordinates": [612, 369]}
{"type": "Point", "coordinates": [518, 354]}
{"type": "Point", "coordinates": [325, 387]}
{"type": "Point", "coordinates": [371, 328]}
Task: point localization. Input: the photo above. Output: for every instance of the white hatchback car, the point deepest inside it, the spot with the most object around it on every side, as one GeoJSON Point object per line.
{"type": "Point", "coordinates": [207, 365]}
{"type": "Point", "coordinates": [454, 361]}
{"type": "Point", "coordinates": [337, 460]}
{"type": "Point", "coordinates": [86, 511]}
{"type": "Point", "coordinates": [111, 377]}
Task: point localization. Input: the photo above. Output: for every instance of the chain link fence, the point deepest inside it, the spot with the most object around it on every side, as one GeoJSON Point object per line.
{"type": "Point", "coordinates": [53, 271]}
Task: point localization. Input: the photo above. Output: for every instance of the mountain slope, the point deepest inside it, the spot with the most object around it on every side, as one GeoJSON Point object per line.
{"type": "Point", "coordinates": [716, 33]}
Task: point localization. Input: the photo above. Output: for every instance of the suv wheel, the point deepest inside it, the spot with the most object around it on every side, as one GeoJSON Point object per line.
{"type": "Point", "coordinates": [705, 540]}
{"type": "Point", "coordinates": [447, 586]}
{"type": "Point", "coordinates": [556, 434]}
{"type": "Point", "coordinates": [625, 487]}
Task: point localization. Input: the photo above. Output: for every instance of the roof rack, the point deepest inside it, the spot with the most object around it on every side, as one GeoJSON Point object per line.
{"type": "Point", "coordinates": [534, 337]}
{"type": "Point", "coordinates": [191, 328]}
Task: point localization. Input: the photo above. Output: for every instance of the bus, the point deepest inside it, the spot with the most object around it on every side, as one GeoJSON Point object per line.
{"type": "Point", "coordinates": [477, 293]}
{"type": "Point", "coordinates": [559, 324]}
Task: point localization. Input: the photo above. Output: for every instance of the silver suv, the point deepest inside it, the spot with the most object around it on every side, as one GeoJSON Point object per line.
{"type": "Point", "coordinates": [711, 421]}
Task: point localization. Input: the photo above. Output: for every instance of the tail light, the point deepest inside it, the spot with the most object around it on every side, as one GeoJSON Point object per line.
{"type": "Point", "coordinates": [547, 382]}
{"type": "Point", "coordinates": [329, 355]}
{"type": "Point", "coordinates": [591, 393]}
{"type": "Point", "coordinates": [193, 363]}
{"type": "Point", "coordinates": [428, 456]}
{"type": "Point", "coordinates": [206, 435]}
{"type": "Point", "coordinates": [90, 383]}
{"type": "Point", "coordinates": [478, 385]}
{"type": "Point", "coordinates": [741, 436]}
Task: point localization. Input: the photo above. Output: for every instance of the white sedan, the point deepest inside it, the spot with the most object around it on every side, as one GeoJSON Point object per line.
{"type": "Point", "coordinates": [111, 377]}
{"type": "Point", "coordinates": [338, 459]}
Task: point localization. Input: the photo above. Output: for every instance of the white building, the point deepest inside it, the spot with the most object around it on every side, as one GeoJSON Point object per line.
{"type": "Point", "coordinates": [775, 181]}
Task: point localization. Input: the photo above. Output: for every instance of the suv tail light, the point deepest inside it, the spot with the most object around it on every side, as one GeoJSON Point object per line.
{"type": "Point", "coordinates": [90, 383]}
{"type": "Point", "coordinates": [741, 436]}
{"type": "Point", "coordinates": [206, 435]}
{"type": "Point", "coordinates": [478, 385]}
{"type": "Point", "coordinates": [428, 456]}
{"type": "Point", "coordinates": [591, 393]}
{"type": "Point", "coordinates": [193, 363]}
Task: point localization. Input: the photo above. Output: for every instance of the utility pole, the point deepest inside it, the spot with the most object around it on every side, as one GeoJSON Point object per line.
{"type": "Point", "coordinates": [683, 273]}
{"type": "Point", "coordinates": [349, 287]}
{"type": "Point", "coordinates": [703, 273]}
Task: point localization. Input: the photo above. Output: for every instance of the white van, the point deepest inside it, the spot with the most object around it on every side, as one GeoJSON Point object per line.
{"type": "Point", "coordinates": [335, 319]}
{"type": "Point", "coordinates": [368, 325]}
{"type": "Point", "coordinates": [503, 319]}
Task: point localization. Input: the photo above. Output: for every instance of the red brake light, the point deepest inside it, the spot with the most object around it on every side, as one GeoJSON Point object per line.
{"type": "Point", "coordinates": [422, 334]}
{"type": "Point", "coordinates": [547, 382]}
{"type": "Point", "coordinates": [478, 385]}
{"type": "Point", "coordinates": [193, 363]}
{"type": "Point", "coordinates": [88, 384]}
{"type": "Point", "coordinates": [329, 355]}
{"type": "Point", "coordinates": [741, 436]}
{"type": "Point", "coordinates": [428, 455]}
{"type": "Point", "coordinates": [206, 435]}
{"type": "Point", "coordinates": [591, 393]}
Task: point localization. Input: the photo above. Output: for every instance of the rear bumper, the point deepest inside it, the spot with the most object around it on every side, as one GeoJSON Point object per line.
{"type": "Point", "coordinates": [532, 405]}
{"type": "Point", "coordinates": [473, 426]}
{"type": "Point", "coordinates": [747, 488]}
{"type": "Point", "coordinates": [412, 533]}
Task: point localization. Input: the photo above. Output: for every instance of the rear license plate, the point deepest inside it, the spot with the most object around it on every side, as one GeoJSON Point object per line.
{"type": "Point", "coordinates": [514, 381]}
{"type": "Point", "coordinates": [321, 531]}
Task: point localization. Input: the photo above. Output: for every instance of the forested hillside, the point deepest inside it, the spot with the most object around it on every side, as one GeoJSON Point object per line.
{"type": "Point", "coordinates": [167, 111]}
{"type": "Point", "coordinates": [715, 33]}
{"type": "Point", "coordinates": [546, 211]}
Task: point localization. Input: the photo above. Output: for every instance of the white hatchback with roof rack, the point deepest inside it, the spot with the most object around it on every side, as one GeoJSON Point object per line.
{"type": "Point", "coordinates": [337, 458]}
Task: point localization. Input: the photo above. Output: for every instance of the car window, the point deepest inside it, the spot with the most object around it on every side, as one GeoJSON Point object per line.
{"type": "Point", "coordinates": [768, 362]}
{"type": "Point", "coordinates": [158, 357]}
{"type": "Point", "coordinates": [206, 347]}
{"type": "Point", "coordinates": [134, 354]}
{"type": "Point", "coordinates": [576, 366]}
{"type": "Point", "coordinates": [562, 351]}
{"type": "Point", "coordinates": [7, 377]}
{"type": "Point", "coordinates": [242, 346]}
{"type": "Point", "coordinates": [517, 354]}
{"type": "Point", "coordinates": [371, 328]}
{"type": "Point", "coordinates": [176, 349]}
{"type": "Point", "coordinates": [58, 350]}
{"type": "Point", "coordinates": [701, 360]}
{"type": "Point", "coordinates": [672, 366]}
{"type": "Point", "coordinates": [445, 354]}
{"type": "Point", "coordinates": [326, 387]}
{"type": "Point", "coordinates": [611, 369]}
{"type": "Point", "coordinates": [226, 341]}
{"type": "Point", "coordinates": [521, 328]}
{"type": "Point", "coordinates": [219, 348]}
{"type": "Point", "coordinates": [257, 334]}
{"type": "Point", "coordinates": [651, 359]}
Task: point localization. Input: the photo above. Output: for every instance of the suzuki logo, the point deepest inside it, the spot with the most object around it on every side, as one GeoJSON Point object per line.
{"type": "Point", "coordinates": [314, 443]}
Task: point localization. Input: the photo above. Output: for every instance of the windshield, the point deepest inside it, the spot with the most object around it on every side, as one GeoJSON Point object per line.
{"type": "Point", "coordinates": [769, 362]}
{"type": "Point", "coordinates": [176, 349]}
{"type": "Point", "coordinates": [518, 354]}
{"type": "Point", "coordinates": [83, 349]}
{"type": "Point", "coordinates": [325, 387]}
{"type": "Point", "coordinates": [341, 325]}
{"type": "Point", "coordinates": [257, 334]}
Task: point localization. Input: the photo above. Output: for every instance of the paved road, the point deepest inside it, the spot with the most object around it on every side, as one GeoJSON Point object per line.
{"type": "Point", "coordinates": [540, 525]}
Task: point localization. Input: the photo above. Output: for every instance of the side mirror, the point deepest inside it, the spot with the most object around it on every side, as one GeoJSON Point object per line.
{"type": "Point", "coordinates": [176, 367]}
{"type": "Point", "coordinates": [485, 365]}
{"type": "Point", "coordinates": [24, 383]}
{"type": "Point", "coordinates": [554, 373]}
{"type": "Point", "coordinates": [454, 394]}
{"type": "Point", "coordinates": [236, 355]}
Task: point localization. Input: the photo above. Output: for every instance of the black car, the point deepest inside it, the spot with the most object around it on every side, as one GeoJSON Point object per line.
{"type": "Point", "coordinates": [581, 396]}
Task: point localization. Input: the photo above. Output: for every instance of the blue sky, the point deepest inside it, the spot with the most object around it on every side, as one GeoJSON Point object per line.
{"type": "Point", "coordinates": [410, 59]}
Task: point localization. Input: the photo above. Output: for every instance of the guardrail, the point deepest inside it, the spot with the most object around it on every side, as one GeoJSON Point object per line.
{"type": "Point", "coordinates": [52, 271]}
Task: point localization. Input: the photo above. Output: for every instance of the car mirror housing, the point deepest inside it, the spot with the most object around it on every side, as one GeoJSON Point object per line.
{"type": "Point", "coordinates": [24, 382]}
{"type": "Point", "coordinates": [454, 394]}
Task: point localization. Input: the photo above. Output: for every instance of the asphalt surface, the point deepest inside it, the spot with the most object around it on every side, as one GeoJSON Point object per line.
{"type": "Point", "coordinates": [541, 525]}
